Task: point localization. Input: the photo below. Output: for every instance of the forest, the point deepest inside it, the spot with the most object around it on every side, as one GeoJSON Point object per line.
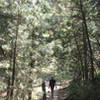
{"type": "Point", "coordinates": [49, 49]}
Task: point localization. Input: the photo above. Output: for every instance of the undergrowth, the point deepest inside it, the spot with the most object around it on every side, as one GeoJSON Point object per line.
{"type": "Point", "coordinates": [84, 90]}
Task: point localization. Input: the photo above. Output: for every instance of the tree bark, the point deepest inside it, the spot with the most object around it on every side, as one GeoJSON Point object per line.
{"type": "Point", "coordinates": [14, 59]}
{"type": "Point", "coordinates": [85, 48]}
{"type": "Point", "coordinates": [88, 40]}
{"type": "Point", "coordinates": [8, 89]}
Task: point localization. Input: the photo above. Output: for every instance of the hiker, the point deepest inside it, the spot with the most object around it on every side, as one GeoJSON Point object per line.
{"type": "Point", "coordinates": [44, 87]}
{"type": "Point", "coordinates": [52, 83]}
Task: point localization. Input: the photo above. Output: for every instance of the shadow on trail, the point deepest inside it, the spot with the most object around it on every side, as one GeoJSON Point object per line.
{"type": "Point", "coordinates": [44, 97]}
{"type": "Point", "coordinates": [60, 94]}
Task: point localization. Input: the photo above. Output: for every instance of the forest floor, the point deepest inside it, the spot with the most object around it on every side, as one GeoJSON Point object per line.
{"type": "Point", "coordinates": [60, 94]}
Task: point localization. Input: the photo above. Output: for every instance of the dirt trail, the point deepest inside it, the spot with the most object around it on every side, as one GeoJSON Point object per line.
{"type": "Point", "coordinates": [60, 94]}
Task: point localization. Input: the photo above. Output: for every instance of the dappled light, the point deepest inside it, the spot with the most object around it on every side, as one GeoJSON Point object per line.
{"type": "Point", "coordinates": [49, 49]}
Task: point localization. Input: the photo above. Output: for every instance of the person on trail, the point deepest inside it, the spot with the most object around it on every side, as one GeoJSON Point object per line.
{"type": "Point", "coordinates": [44, 87]}
{"type": "Point", "coordinates": [52, 83]}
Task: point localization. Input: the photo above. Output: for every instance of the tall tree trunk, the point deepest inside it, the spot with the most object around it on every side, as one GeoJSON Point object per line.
{"type": "Point", "coordinates": [85, 70]}
{"type": "Point", "coordinates": [8, 89]}
{"type": "Point", "coordinates": [79, 52]}
{"type": "Point", "coordinates": [88, 40]}
{"type": "Point", "coordinates": [9, 77]}
{"type": "Point", "coordinates": [14, 59]}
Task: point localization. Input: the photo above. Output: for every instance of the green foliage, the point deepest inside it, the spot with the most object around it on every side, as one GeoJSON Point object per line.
{"type": "Point", "coordinates": [49, 41]}
{"type": "Point", "coordinates": [84, 90]}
